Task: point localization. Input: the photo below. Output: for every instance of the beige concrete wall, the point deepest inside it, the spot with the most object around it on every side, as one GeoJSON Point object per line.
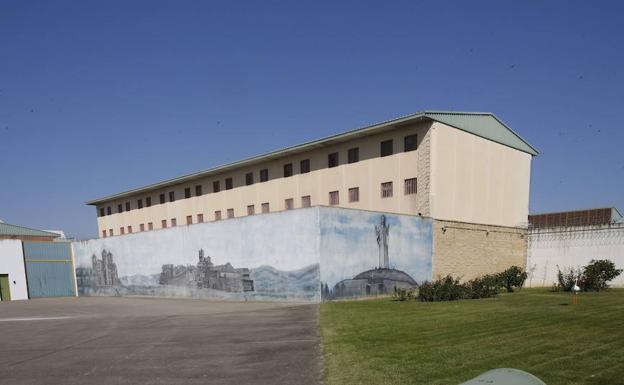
{"type": "Point", "coordinates": [476, 180]}
{"type": "Point", "coordinates": [367, 174]}
{"type": "Point", "coordinates": [468, 250]}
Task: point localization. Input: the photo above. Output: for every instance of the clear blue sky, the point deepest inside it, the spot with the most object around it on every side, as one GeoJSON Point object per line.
{"type": "Point", "coordinates": [100, 97]}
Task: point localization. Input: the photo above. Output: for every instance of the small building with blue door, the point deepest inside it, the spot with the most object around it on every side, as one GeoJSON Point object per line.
{"type": "Point", "coordinates": [34, 264]}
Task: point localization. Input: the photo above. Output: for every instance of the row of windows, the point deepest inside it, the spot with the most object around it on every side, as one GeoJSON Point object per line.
{"type": "Point", "coordinates": [306, 201]}
{"type": "Point", "coordinates": [410, 143]}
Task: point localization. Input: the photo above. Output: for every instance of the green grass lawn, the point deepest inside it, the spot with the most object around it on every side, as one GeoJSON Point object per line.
{"type": "Point", "coordinates": [387, 342]}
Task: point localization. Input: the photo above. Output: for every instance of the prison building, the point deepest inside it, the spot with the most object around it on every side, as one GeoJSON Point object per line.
{"type": "Point", "coordinates": [463, 169]}
{"type": "Point", "coordinates": [575, 218]}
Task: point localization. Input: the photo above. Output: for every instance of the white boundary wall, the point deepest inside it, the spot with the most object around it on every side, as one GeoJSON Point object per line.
{"type": "Point", "coordinates": [572, 247]}
{"type": "Point", "coordinates": [12, 263]}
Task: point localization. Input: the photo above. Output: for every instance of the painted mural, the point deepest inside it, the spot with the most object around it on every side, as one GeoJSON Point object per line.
{"type": "Point", "coordinates": [367, 254]}
{"type": "Point", "coordinates": [264, 257]}
{"type": "Point", "coordinates": [296, 255]}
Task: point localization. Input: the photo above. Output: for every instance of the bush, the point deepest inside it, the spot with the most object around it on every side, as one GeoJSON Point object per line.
{"type": "Point", "coordinates": [402, 294]}
{"type": "Point", "coordinates": [513, 277]}
{"type": "Point", "coordinates": [443, 289]}
{"type": "Point", "coordinates": [567, 278]}
{"type": "Point", "coordinates": [487, 286]}
{"type": "Point", "coordinates": [597, 274]}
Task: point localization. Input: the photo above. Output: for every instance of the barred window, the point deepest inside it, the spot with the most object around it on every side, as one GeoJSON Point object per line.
{"type": "Point", "coordinates": [174, 222]}
{"type": "Point", "coordinates": [108, 210]}
{"type": "Point", "coordinates": [162, 198]}
{"type": "Point", "coordinates": [198, 190]}
{"type": "Point", "coordinates": [120, 208]}
{"type": "Point", "coordinates": [386, 190]}
{"type": "Point", "coordinates": [229, 183]}
{"type": "Point", "coordinates": [171, 196]}
{"type": "Point", "coordinates": [334, 198]}
{"type": "Point", "coordinates": [249, 179]}
{"type": "Point", "coordinates": [217, 215]}
{"type": "Point", "coordinates": [410, 186]}
{"type": "Point", "coordinates": [150, 226]}
{"type": "Point", "coordinates": [142, 227]}
{"type": "Point", "coordinates": [288, 170]}
{"type": "Point", "coordinates": [110, 232]}
{"type": "Point", "coordinates": [386, 148]}
{"type": "Point", "coordinates": [148, 202]}
{"type": "Point", "coordinates": [289, 204]}
{"type": "Point", "coordinates": [140, 203]}
{"type": "Point", "coordinates": [410, 142]}
{"type": "Point", "coordinates": [101, 211]}
{"type": "Point", "coordinates": [163, 224]}
{"type": "Point", "coordinates": [264, 175]}
{"type": "Point", "coordinates": [306, 201]}
{"type": "Point", "coordinates": [216, 186]}
{"type": "Point", "coordinates": [333, 160]}
{"type": "Point", "coordinates": [129, 229]}
{"type": "Point", "coordinates": [187, 193]}
{"type": "Point", "coordinates": [200, 218]}
{"type": "Point", "coordinates": [304, 166]}
{"type": "Point", "coordinates": [189, 219]}
{"type": "Point", "coordinates": [251, 210]}
{"type": "Point", "coordinates": [103, 233]}
{"type": "Point", "coordinates": [230, 213]}
{"type": "Point", "coordinates": [353, 155]}
{"type": "Point", "coordinates": [354, 194]}
{"type": "Point", "coordinates": [122, 231]}
{"type": "Point", "coordinates": [127, 206]}
{"type": "Point", "coordinates": [265, 208]}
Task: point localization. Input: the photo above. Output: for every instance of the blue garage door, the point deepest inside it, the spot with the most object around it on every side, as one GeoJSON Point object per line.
{"type": "Point", "coordinates": [49, 269]}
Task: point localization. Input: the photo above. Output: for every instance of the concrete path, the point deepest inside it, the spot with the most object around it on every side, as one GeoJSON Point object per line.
{"type": "Point", "coordinates": [157, 341]}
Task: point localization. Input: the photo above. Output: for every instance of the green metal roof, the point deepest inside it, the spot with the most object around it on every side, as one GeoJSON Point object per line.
{"type": "Point", "coordinates": [483, 124]}
{"type": "Point", "coordinates": [14, 230]}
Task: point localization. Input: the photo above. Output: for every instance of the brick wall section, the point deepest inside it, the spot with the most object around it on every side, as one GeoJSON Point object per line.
{"type": "Point", "coordinates": [470, 250]}
{"type": "Point", "coordinates": [424, 174]}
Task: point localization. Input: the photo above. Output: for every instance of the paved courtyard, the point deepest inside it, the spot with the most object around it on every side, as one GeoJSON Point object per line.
{"type": "Point", "coordinates": [157, 341]}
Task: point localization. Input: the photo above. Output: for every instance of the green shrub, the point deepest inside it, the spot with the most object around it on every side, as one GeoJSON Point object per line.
{"type": "Point", "coordinates": [567, 278]}
{"type": "Point", "coordinates": [597, 274]}
{"type": "Point", "coordinates": [402, 294]}
{"type": "Point", "coordinates": [443, 289]}
{"type": "Point", "coordinates": [487, 286]}
{"type": "Point", "coordinates": [513, 277]}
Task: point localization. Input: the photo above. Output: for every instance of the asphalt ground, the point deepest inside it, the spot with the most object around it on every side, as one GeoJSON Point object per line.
{"type": "Point", "coordinates": [110, 340]}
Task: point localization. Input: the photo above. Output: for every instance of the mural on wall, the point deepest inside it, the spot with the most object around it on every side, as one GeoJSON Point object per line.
{"type": "Point", "coordinates": [303, 255]}
{"type": "Point", "coordinates": [268, 257]}
{"type": "Point", "coordinates": [353, 240]}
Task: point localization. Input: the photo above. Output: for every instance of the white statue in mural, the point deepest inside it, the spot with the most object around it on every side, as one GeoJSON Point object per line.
{"type": "Point", "coordinates": [383, 232]}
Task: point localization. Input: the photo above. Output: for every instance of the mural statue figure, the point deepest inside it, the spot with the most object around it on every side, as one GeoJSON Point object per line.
{"type": "Point", "coordinates": [383, 232]}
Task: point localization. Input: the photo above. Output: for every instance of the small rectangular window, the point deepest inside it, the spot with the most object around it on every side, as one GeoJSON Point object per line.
{"type": "Point", "coordinates": [122, 231]}
{"type": "Point", "coordinates": [198, 190]}
{"type": "Point", "coordinates": [354, 155]}
{"type": "Point", "coordinates": [249, 178]}
{"type": "Point", "coordinates": [228, 183]}
{"type": "Point", "coordinates": [265, 207]}
{"type": "Point", "coordinates": [304, 166]}
{"type": "Point", "coordinates": [410, 143]}
{"type": "Point", "coordinates": [354, 194]}
{"type": "Point", "coordinates": [386, 190]}
{"type": "Point", "coordinates": [129, 229]}
{"type": "Point", "coordinates": [120, 208]}
{"type": "Point", "coordinates": [230, 213]}
{"type": "Point", "coordinates": [171, 196]}
{"type": "Point", "coordinates": [216, 186]}
{"type": "Point", "coordinates": [264, 175]}
{"type": "Point", "coordinates": [148, 202]}
{"type": "Point", "coordinates": [218, 215]}
{"type": "Point", "coordinates": [200, 218]}
{"type": "Point", "coordinates": [174, 222]}
{"type": "Point", "coordinates": [140, 203]}
{"type": "Point", "coordinates": [163, 224]}
{"type": "Point", "coordinates": [101, 211]}
{"type": "Point", "coordinates": [386, 148]}
{"type": "Point", "coordinates": [189, 220]}
{"type": "Point", "coordinates": [142, 227]}
{"type": "Point", "coordinates": [150, 226]}
{"type": "Point", "coordinates": [187, 193]}
{"type": "Point", "coordinates": [289, 204]}
{"type": "Point", "coordinates": [110, 232]}
{"type": "Point", "coordinates": [332, 160]}
{"type": "Point", "coordinates": [288, 170]}
{"type": "Point", "coordinates": [103, 233]}
{"type": "Point", "coordinates": [334, 198]}
{"type": "Point", "coordinates": [251, 210]}
{"type": "Point", "coordinates": [127, 206]}
{"type": "Point", "coordinates": [108, 210]}
{"type": "Point", "coordinates": [306, 201]}
{"type": "Point", "coordinates": [162, 198]}
{"type": "Point", "coordinates": [410, 186]}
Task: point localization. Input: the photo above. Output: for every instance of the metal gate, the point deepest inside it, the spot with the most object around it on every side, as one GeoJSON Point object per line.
{"type": "Point", "coordinates": [49, 269]}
